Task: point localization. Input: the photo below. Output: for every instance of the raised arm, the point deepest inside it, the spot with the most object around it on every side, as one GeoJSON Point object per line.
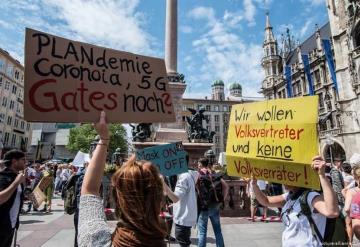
{"type": "Point", "coordinates": [267, 201]}
{"type": "Point", "coordinates": [95, 170]}
{"type": "Point", "coordinates": [167, 191]}
{"type": "Point", "coordinates": [6, 193]}
{"type": "Point", "coordinates": [225, 188]}
{"type": "Point", "coordinates": [326, 204]}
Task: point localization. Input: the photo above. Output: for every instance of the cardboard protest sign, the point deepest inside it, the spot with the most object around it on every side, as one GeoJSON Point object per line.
{"type": "Point", "coordinates": [274, 140]}
{"type": "Point", "coordinates": [69, 81]}
{"type": "Point", "coordinates": [45, 182]}
{"type": "Point", "coordinates": [170, 158]}
{"type": "Point", "coordinates": [37, 197]}
{"type": "Point", "coordinates": [80, 159]}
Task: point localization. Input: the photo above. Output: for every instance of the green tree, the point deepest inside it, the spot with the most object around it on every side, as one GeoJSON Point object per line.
{"type": "Point", "coordinates": [81, 137]}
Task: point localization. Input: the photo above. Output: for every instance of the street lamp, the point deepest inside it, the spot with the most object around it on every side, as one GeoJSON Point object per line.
{"type": "Point", "coordinates": [210, 156]}
{"type": "Point", "coordinates": [329, 141]}
{"type": "Point", "coordinates": [93, 144]}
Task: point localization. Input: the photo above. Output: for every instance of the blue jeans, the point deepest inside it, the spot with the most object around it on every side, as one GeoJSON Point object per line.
{"type": "Point", "coordinates": [214, 215]}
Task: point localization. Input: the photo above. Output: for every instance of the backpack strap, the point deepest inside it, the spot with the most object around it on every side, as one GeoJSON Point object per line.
{"type": "Point", "coordinates": [305, 210]}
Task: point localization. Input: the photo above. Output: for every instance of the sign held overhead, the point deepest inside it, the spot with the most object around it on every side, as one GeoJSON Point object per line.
{"type": "Point", "coordinates": [169, 158]}
{"type": "Point", "coordinates": [70, 81]}
{"type": "Point", "coordinates": [274, 140]}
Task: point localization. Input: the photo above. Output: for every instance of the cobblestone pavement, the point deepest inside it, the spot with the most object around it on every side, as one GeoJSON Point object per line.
{"type": "Point", "coordinates": [56, 230]}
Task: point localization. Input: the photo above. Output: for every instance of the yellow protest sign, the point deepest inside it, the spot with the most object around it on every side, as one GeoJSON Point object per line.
{"type": "Point", "coordinates": [274, 140]}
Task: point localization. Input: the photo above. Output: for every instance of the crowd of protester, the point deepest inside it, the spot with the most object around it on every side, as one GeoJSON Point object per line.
{"type": "Point", "coordinates": [148, 204]}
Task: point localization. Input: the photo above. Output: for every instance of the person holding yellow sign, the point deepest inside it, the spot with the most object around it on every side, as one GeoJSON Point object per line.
{"type": "Point", "coordinates": [305, 212]}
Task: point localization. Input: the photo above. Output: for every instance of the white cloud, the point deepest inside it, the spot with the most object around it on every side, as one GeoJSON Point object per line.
{"type": "Point", "coordinates": [233, 18]}
{"type": "Point", "coordinates": [305, 28]}
{"type": "Point", "coordinates": [186, 29]}
{"type": "Point", "coordinates": [249, 12]}
{"type": "Point", "coordinates": [4, 24]}
{"type": "Point", "coordinates": [314, 2]}
{"type": "Point", "coordinates": [202, 13]}
{"type": "Point", "coordinates": [115, 24]}
{"type": "Point", "coordinates": [226, 56]}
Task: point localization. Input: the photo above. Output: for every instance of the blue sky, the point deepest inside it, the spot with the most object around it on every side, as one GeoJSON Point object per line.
{"type": "Point", "coordinates": [218, 39]}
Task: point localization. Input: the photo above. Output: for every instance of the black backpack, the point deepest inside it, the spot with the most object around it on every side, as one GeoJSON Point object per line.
{"type": "Point", "coordinates": [335, 229]}
{"type": "Point", "coordinates": [209, 189]}
{"type": "Point", "coordinates": [70, 195]}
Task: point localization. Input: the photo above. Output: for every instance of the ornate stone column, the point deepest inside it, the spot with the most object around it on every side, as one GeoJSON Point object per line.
{"type": "Point", "coordinates": [171, 37]}
{"type": "Point", "coordinates": [176, 85]}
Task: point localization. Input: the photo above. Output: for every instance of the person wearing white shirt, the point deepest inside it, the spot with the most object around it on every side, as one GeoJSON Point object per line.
{"type": "Point", "coordinates": [254, 203]}
{"type": "Point", "coordinates": [185, 205]}
{"type": "Point", "coordinates": [58, 180]}
{"type": "Point", "coordinates": [65, 175]}
{"type": "Point", "coordinates": [298, 231]}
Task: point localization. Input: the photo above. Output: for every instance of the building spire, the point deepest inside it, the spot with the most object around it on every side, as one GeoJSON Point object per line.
{"type": "Point", "coordinates": [269, 36]}
{"type": "Point", "coordinates": [268, 25]}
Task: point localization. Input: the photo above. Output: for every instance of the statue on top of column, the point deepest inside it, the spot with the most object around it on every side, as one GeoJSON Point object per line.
{"type": "Point", "coordinates": [179, 78]}
{"type": "Point", "coordinates": [195, 129]}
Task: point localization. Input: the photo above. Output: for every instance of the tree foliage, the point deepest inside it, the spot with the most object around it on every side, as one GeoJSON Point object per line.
{"type": "Point", "coordinates": [81, 137]}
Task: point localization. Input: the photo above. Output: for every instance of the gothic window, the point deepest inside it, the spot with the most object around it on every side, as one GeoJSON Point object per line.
{"type": "Point", "coordinates": [357, 36]}
{"type": "Point", "coordinates": [272, 51]}
{"type": "Point", "coordinates": [327, 99]}
{"type": "Point", "coordinates": [330, 123]}
{"type": "Point", "coordinates": [339, 121]}
{"type": "Point", "coordinates": [322, 126]}
{"type": "Point", "coordinates": [298, 84]}
{"type": "Point", "coordinates": [317, 76]}
{"type": "Point", "coordinates": [274, 69]}
{"type": "Point", "coordinates": [321, 100]}
{"type": "Point", "coordinates": [329, 105]}
{"type": "Point", "coordinates": [324, 74]}
{"type": "Point", "coordinates": [294, 89]}
{"type": "Point", "coordinates": [350, 11]}
{"type": "Point", "coordinates": [304, 86]}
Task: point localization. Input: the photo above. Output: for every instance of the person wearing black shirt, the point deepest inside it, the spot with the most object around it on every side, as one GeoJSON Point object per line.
{"type": "Point", "coordinates": [12, 180]}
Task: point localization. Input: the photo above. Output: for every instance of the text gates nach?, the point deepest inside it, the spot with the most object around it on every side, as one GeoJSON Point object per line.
{"type": "Point", "coordinates": [70, 81]}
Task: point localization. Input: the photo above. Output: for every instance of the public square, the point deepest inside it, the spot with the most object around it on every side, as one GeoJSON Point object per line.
{"type": "Point", "coordinates": [57, 230]}
{"type": "Point", "coordinates": [243, 113]}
